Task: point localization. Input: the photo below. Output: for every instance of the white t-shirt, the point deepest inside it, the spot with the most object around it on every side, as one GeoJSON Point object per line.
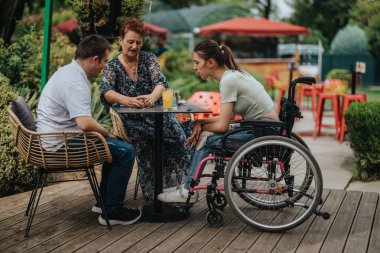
{"type": "Point", "coordinates": [250, 98]}
{"type": "Point", "coordinates": [67, 95]}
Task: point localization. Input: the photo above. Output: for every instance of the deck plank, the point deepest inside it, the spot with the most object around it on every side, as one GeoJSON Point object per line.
{"type": "Point", "coordinates": [65, 223]}
{"type": "Point", "coordinates": [358, 238]}
{"type": "Point", "coordinates": [167, 230]}
{"type": "Point", "coordinates": [20, 205]}
{"type": "Point", "coordinates": [317, 233]}
{"type": "Point", "coordinates": [55, 203]}
{"type": "Point", "coordinates": [290, 241]}
{"type": "Point", "coordinates": [374, 242]}
{"type": "Point", "coordinates": [10, 202]}
{"type": "Point", "coordinates": [338, 234]}
{"type": "Point", "coordinates": [267, 241]}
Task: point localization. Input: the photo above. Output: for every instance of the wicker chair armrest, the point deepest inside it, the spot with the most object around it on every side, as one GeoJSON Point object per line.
{"type": "Point", "coordinates": [75, 147]}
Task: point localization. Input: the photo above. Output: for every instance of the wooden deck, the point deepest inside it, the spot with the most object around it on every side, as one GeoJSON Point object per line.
{"type": "Point", "coordinates": [64, 223]}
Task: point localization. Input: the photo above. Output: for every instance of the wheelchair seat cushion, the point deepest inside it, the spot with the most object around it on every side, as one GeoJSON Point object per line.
{"type": "Point", "coordinates": [235, 141]}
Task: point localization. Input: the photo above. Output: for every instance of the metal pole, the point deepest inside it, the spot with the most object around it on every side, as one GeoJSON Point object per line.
{"type": "Point", "coordinates": [46, 43]}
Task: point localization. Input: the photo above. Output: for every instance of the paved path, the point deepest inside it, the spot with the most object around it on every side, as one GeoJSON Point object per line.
{"type": "Point", "coordinates": [335, 160]}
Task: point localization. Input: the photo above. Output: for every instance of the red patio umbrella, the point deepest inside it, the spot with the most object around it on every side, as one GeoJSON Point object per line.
{"type": "Point", "coordinates": [155, 29]}
{"type": "Point", "coordinates": [253, 26]}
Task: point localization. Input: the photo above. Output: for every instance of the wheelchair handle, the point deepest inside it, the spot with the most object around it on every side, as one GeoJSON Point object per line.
{"type": "Point", "coordinates": [292, 86]}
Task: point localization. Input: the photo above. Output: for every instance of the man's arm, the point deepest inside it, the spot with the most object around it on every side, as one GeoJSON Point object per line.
{"type": "Point", "coordinates": [87, 124]}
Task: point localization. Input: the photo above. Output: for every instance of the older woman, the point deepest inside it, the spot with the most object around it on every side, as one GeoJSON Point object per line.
{"type": "Point", "coordinates": [135, 79]}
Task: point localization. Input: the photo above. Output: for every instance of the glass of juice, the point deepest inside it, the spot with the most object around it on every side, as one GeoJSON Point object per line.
{"type": "Point", "coordinates": [167, 98]}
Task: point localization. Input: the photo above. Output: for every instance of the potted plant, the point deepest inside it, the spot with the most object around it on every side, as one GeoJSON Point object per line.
{"type": "Point", "coordinates": [344, 76]}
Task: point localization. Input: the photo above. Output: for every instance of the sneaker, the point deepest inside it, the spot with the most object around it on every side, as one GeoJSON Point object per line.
{"type": "Point", "coordinates": [172, 189]}
{"type": "Point", "coordinates": [125, 217]}
{"type": "Point", "coordinates": [96, 209]}
{"type": "Point", "coordinates": [178, 196]}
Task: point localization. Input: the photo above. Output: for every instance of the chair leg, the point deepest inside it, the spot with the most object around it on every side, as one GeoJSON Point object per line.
{"type": "Point", "coordinates": [95, 188]}
{"type": "Point", "coordinates": [336, 109]}
{"type": "Point", "coordinates": [33, 203]}
{"type": "Point", "coordinates": [33, 194]}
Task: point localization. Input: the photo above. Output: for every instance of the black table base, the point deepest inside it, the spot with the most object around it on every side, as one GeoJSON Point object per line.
{"type": "Point", "coordinates": [168, 213]}
{"type": "Point", "coordinates": [159, 212]}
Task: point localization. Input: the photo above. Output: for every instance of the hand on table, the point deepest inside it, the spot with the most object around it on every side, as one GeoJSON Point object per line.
{"type": "Point", "coordinates": [148, 100]}
{"type": "Point", "coordinates": [134, 102]}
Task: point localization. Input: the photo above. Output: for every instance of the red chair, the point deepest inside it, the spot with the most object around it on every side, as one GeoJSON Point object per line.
{"type": "Point", "coordinates": [306, 91]}
{"type": "Point", "coordinates": [332, 89]}
{"type": "Point", "coordinates": [209, 100]}
{"type": "Point", "coordinates": [347, 99]}
{"type": "Point", "coordinates": [321, 101]}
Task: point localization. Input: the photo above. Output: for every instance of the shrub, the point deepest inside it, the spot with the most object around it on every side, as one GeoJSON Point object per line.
{"type": "Point", "coordinates": [21, 61]}
{"type": "Point", "coordinates": [18, 60]}
{"type": "Point", "coordinates": [15, 175]}
{"type": "Point", "coordinates": [363, 121]}
{"type": "Point", "coordinates": [349, 40]}
{"type": "Point", "coordinates": [341, 74]}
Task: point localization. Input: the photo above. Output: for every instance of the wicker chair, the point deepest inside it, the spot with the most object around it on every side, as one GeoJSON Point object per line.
{"type": "Point", "coordinates": [52, 153]}
{"type": "Point", "coordinates": [119, 130]}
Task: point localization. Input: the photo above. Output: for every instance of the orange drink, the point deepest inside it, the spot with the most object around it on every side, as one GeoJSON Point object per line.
{"type": "Point", "coordinates": [167, 98]}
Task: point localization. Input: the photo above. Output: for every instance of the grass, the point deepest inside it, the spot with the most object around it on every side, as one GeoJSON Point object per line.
{"type": "Point", "coordinates": [373, 93]}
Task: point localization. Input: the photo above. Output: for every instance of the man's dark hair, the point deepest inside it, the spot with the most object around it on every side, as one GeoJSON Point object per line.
{"type": "Point", "coordinates": [93, 45]}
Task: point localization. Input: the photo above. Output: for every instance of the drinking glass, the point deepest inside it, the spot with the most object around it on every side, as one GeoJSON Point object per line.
{"type": "Point", "coordinates": [167, 98]}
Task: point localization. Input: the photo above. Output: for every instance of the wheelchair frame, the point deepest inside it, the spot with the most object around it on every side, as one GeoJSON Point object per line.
{"type": "Point", "coordinates": [275, 187]}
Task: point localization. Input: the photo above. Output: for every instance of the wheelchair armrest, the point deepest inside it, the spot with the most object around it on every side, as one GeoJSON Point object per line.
{"type": "Point", "coordinates": [261, 123]}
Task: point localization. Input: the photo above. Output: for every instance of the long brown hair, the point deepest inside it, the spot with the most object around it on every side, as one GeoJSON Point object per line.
{"type": "Point", "coordinates": [222, 54]}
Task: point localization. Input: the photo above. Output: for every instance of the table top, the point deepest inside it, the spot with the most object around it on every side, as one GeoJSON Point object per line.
{"type": "Point", "coordinates": [183, 108]}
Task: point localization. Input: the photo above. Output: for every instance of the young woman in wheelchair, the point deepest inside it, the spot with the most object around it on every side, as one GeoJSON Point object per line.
{"type": "Point", "coordinates": [241, 94]}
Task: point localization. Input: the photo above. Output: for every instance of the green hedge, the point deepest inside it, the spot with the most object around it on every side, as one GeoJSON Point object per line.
{"type": "Point", "coordinates": [363, 121]}
{"type": "Point", "coordinates": [15, 175]}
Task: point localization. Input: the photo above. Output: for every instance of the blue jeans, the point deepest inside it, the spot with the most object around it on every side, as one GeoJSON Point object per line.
{"type": "Point", "coordinates": [203, 152]}
{"type": "Point", "coordinates": [115, 175]}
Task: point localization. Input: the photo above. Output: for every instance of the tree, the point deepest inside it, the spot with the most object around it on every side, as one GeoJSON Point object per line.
{"type": "Point", "coordinates": [327, 16]}
{"type": "Point", "coordinates": [364, 11]}
{"type": "Point", "coordinates": [105, 16]}
{"type": "Point", "coordinates": [10, 11]}
{"type": "Point", "coordinates": [374, 36]}
{"type": "Point", "coordinates": [366, 15]}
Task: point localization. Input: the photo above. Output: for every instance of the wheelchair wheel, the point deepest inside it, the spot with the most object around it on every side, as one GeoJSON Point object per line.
{"type": "Point", "coordinates": [215, 219]}
{"type": "Point", "coordinates": [219, 201]}
{"type": "Point", "coordinates": [309, 173]}
{"type": "Point", "coordinates": [269, 174]}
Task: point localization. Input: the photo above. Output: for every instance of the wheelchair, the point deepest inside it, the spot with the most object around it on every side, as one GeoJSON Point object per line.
{"type": "Point", "coordinates": [272, 182]}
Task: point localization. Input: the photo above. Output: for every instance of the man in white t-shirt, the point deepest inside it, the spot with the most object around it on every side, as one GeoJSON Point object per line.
{"type": "Point", "coordinates": [65, 105]}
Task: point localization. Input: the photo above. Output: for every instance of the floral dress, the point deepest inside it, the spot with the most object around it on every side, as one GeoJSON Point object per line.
{"type": "Point", "coordinates": [140, 127]}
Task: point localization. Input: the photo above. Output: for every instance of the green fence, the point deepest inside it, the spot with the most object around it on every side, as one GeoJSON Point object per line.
{"type": "Point", "coordinates": [335, 61]}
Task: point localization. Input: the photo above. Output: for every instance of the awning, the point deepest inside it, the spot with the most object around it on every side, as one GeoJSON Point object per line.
{"type": "Point", "coordinates": [253, 26]}
{"type": "Point", "coordinates": [155, 29]}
